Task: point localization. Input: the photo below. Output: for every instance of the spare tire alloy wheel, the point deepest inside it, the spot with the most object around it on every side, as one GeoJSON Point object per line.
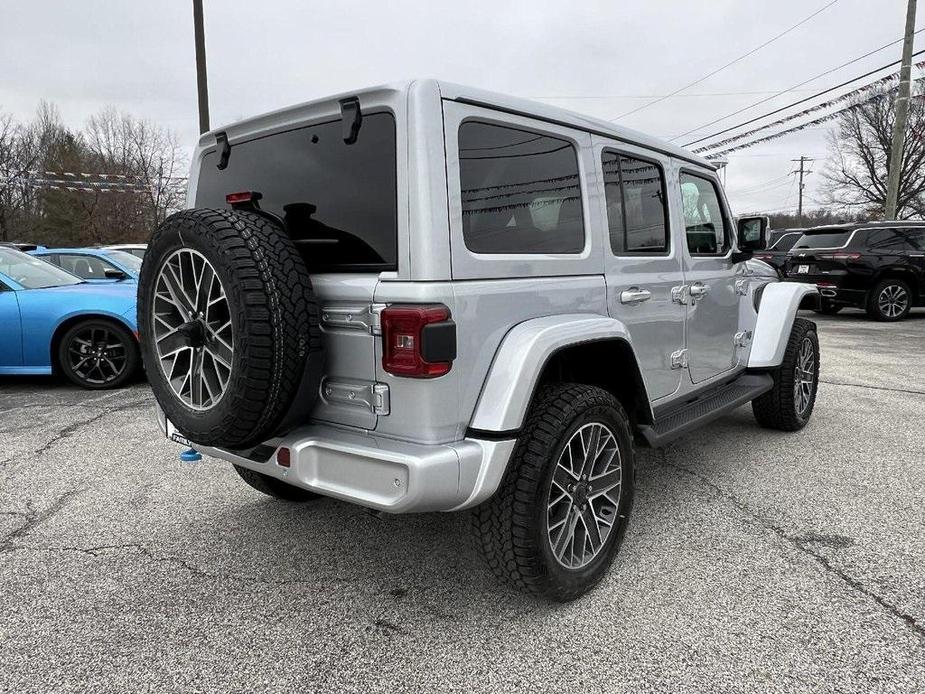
{"type": "Point", "coordinates": [192, 329]}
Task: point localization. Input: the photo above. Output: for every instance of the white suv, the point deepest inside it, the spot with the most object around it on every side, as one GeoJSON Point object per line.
{"type": "Point", "coordinates": [427, 297]}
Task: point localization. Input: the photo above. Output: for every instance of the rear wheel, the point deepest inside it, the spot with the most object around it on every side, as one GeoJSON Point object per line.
{"type": "Point", "coordinates": [556, 522]}
{"type": "Point", "coordinates": [889, 300]}
{"type": "Point", "coordinates": [789, 404]}
{"type": "Point", "coordinates": [274, 487]}
{"type": "Point", "coordinates": [98, 354]}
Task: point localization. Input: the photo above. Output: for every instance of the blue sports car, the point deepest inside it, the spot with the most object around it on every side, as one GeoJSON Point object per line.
{"type": "Point", "coordinates": [52, 321]}
{"type": "Point", "coordinates": [94, 264]}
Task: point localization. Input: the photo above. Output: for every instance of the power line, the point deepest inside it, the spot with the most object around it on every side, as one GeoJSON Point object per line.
{"type": "Point", "coordinates": [796, 103]}
{"type": "Point", "coordinates": [729, 64]}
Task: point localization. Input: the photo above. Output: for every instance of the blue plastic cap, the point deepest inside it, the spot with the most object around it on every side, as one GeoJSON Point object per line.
{"type": "Point", "coordinates": [191, 455]}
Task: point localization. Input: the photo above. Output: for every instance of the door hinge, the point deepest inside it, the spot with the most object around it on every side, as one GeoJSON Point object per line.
{"type": "Point", "coordinates": [679, 359]}
{"type": "Point", "coordinates": [681, 295]}
{"type": "Point", "coordinates": [362, 394]}
{"type": "Point", "coordinates": [742, 338]}
{"type": "Point", "coordinates": [353, 317]}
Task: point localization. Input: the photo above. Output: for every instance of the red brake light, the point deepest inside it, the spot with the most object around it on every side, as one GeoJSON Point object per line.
{"type": "Point", "coordinates": [404, 352]}
{"type": "Point", "coordinates": [839, 256]}
{"type": "Point", "coordinates": [242, 197]}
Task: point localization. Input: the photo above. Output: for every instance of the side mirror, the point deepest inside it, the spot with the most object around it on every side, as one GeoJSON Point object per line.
{"type": "Point", "coordinates": [112, 273]}
{"type": "Point", "coordinates": [752, 236]}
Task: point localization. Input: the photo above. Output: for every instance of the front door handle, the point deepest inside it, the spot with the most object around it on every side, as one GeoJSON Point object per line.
{"type": "Point", "coordinates": [634, 295]}
{"type": "Point", "coordinates": [699, 289]}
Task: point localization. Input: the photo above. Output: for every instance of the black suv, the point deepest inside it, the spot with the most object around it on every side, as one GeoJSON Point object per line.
{"type": "Point", "coordinates": [877, 266]}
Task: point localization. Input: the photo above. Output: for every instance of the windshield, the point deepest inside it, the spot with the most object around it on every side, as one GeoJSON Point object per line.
{"type": "Point", "coordinates": [32, 272]}
{"type": "Point", "coordinates": [832, 239]}
{"type": "Point", "coordinates": [338, 201]}
{"type": "Point", "coordinates": [126, 260]}
{"type": "Point", "coordinates": [785, 242]}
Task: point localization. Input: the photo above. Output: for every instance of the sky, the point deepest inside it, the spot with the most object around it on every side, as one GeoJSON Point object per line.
{"type": "Point", "coordinates": [600, 58]}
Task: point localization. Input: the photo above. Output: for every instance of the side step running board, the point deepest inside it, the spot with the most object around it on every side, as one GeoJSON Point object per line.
{"type": "Point", "coordinates": [676, 420]}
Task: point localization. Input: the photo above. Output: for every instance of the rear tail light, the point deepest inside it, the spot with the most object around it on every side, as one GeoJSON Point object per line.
{"type": "Point", "coordinates": [762, 256]}
{"type": "Point", "coordinates": [418, 340]}
{"type": "Point", "coordinates": [838, 256]}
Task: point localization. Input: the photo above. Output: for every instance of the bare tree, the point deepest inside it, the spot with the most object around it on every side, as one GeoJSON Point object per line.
{"type": "Point", "coordinates": [856, 173]}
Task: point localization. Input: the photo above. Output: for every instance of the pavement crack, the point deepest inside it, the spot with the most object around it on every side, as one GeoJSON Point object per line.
{"type": "Point", "coordinates": [71, 429]}
{"type": "Point", "coordinates": [34, 519]}
{"type": "Point", "coordinates": [862, 385]}
{"type": "Point", "coordinates": [805, 545]}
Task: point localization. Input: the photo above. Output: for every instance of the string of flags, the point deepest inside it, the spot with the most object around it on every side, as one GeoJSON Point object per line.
{"type": "Point", "coordinates": [85, 182]}
{"type": "Point", "coordinates": [852, 96]}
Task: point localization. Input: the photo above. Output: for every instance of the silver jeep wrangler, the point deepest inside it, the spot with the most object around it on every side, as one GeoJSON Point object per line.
{"type": "Point", "coordinates": [427, 297]}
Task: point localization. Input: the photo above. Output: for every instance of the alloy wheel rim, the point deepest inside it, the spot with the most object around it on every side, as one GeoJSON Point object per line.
{"type": "Point", "coordinates": [584, 496]}
{"type": "Point", "coordinates": [893, 300]}
{"type": "Point", "coordinates": [804, 376]}
{"type": "Point", "coordinates": [191, 323]}
{"type": "Point", "coordinates": [97, 355]}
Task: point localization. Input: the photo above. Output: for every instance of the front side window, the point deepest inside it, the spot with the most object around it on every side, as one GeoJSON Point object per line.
{"type": "Point", "coordinates": [87, 267]}
{"type": "Point", "coordinates": [704, 221]}
{"type": "Point", "coordinates": [520, 191]}
{"type": "Point", "coordinates": [635, 194]}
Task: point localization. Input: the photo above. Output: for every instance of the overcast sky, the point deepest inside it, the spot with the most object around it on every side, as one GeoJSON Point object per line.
{"type": "Point", "coordinates": [596, 57]}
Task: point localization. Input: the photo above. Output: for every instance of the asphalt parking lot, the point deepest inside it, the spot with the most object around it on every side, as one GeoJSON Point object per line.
{"type": "Point", "coordinates": [755, 561]}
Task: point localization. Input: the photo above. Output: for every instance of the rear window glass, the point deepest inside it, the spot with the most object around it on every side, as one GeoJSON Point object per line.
{"type": "Point", "coordinates": [520, 191]}
{"type": "Point", "coordinates": [835, 239]}
{"type": "Point", "coordinates": [338, 201]}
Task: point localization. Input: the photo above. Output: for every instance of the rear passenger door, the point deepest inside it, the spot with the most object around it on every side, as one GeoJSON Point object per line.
{"type": "Point", "coordinates": [713, 308]}
{"type": "Point", "coordinates": [642, 261]}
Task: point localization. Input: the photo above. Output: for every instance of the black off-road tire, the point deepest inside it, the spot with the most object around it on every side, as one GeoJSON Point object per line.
{"type": "Point", "coordinates": [511, 528]}
{"type": "Point", "coordinates": [873, 304]}
{"type": "Point", "coordinates": [274, 487]}
{"type": "Point", "coordinates": [777, 409]}
{"type": "Point", "coordinates": [276, 363]}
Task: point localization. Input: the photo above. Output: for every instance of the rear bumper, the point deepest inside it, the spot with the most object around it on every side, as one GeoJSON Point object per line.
{"type": "Point", "coordinates": [832, 293]}
{"type": "Point", "coordinates": [379, 472]}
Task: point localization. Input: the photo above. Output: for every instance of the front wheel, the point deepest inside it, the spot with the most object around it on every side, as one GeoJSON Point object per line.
{"type": "Point", "coordinates": [98, 354]}
{"type": "Point", "coordinates": [556, 522]}
{"type": "Point", "coordinates": [789, 404]}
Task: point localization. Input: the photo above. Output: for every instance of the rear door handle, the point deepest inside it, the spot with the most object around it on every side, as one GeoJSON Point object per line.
{"type": "Point", "coordinates": [634, 295]}
{"type": "Point", "coordinates": [699, 289]}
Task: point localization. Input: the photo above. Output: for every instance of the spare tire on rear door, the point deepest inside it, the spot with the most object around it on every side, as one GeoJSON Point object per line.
{"type": "Point", "coordinates": [229, 327]}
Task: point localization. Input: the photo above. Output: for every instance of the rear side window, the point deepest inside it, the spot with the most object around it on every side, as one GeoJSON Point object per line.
{"type": "Point", "coordinates": [87, 267]}
{"type": "Point", "coordinates": [835, 239]}
{"type": "Point", "coordinates": [916, 238]}
{"type": "Point", "coordinates": [635, 193]}
{"type": "Point", "coordinates": [338, 201]}
{"type": "Point", "coordinates": [520, 191]}
{"type": "Point", "coordinates": [887, 240]}
{"type": "Point", "coordinates": [785, 242]}
{"type": "Point", "coordinates": [703, 217]}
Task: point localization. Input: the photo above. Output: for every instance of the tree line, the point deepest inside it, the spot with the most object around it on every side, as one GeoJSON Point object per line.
{"type": "Point", "coordinates": [112, 181]}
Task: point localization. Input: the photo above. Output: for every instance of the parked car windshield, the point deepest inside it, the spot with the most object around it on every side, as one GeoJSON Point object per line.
{"type": "Point", "coordinates": [132, 262]}
{"type": "Point", "coordinates": [31, 272]}
{"type": "Point", "coordinates": [831, 239]}
{"type": "Point", "coordinates": [339, 201]}
{"type": "Point", "coordinates": [785, 242]}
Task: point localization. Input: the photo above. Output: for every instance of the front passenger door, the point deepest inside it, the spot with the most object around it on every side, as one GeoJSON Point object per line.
{"type": "Point", "coordinates": [713, 308]}
{"type": "Point", "coordinates": [11, 337]}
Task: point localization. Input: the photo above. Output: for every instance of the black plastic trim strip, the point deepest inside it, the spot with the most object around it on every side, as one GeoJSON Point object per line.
{"type": "Point", "coordinates": [492, 435]}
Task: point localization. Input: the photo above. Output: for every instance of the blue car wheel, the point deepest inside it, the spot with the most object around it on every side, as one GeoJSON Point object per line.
{"type": "Point", "coordinates": [98, 354]}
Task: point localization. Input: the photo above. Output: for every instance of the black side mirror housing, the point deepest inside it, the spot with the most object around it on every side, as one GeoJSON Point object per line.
{"type": "Point", "coordinates": [112, 273]}
{"type": "Point", "coordinates": [752, 236]}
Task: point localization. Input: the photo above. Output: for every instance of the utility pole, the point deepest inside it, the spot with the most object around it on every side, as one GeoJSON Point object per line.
{"type": "Point", "coordinates": [201, 81]}
{"type": "Point", "coordinates": [801, 171]}
{"type": "Point", "coordinates": [902, 111]}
